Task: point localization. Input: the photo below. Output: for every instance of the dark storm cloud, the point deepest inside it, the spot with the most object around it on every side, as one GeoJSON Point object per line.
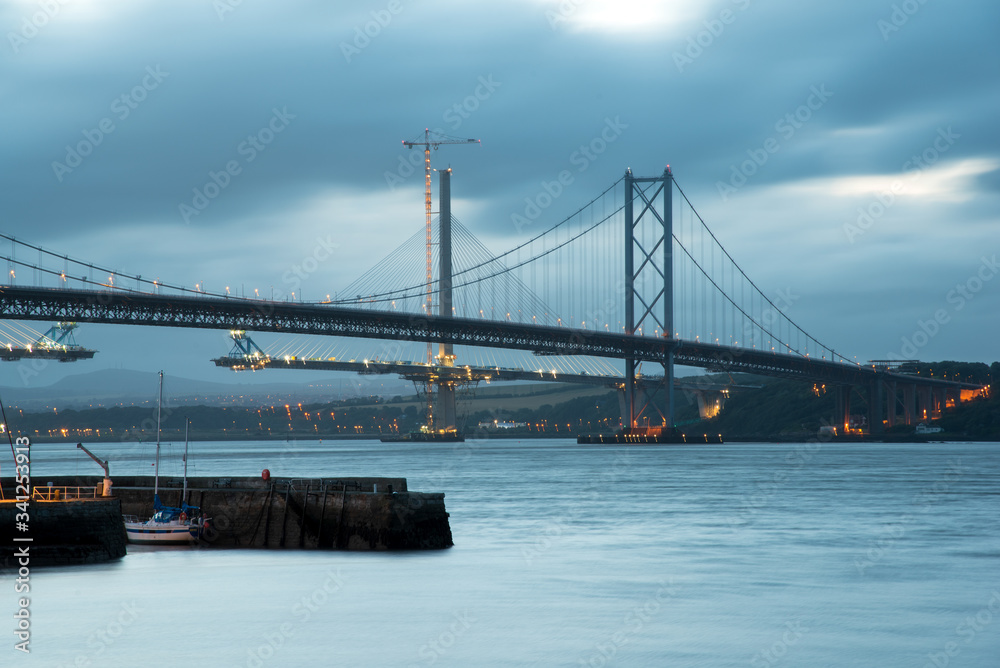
{"type": "Point", "coordinates": [839, 94]}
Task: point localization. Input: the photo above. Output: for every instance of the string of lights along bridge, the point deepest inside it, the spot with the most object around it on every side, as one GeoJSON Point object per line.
{"type": "Point", "coordinates": [633, 275]}
{"type": "Point", "coordinates": [570, 275]}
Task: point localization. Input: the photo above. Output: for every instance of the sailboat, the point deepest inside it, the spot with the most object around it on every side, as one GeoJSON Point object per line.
{"type": "Point", "coordinates": [168, 525]}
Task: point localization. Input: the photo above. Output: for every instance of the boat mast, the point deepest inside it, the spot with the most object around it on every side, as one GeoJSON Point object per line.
{"type": "Point", "coordinates": [185, 492]}
{"type": "Point", "coordinates": [156, 473]}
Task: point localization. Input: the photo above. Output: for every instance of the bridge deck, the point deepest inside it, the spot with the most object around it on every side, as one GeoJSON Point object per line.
{"type": "Point", "coordinates": [130, 308]}
{"type": "Point", "coordinates": [460, 374]}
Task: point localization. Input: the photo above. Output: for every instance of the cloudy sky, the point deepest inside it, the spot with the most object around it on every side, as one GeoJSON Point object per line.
{"type": "Point", "coordinates": [847, 152]}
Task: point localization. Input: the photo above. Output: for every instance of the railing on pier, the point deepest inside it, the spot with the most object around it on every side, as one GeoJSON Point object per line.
{"type": "Point", "coordinates": [65, 493]}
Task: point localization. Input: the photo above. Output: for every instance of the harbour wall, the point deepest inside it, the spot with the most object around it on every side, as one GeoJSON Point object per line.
{"type": "Point", "coordinates": [63, 532]}
{"type": "Point", "coordinates": [294, 513]}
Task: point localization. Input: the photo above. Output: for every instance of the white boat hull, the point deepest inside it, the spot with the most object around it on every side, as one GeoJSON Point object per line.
{"type": "Point", "coordinates": [168, 526]}
{"type": "Point", "coordinates": [149, 533]}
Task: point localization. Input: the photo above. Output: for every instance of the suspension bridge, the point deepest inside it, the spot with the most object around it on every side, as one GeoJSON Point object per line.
{"type": "Point", "coordinates": [634, 276]}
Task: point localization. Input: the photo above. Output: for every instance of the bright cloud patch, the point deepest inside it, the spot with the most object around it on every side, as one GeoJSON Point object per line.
{"type": "Point", "coordinates": [620, 16]}
{"type": "Point", "coordinates": [949, 182]}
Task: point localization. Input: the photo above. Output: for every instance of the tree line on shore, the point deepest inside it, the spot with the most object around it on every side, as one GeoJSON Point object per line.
{"type": "Point", "coordinates": [779, 408]}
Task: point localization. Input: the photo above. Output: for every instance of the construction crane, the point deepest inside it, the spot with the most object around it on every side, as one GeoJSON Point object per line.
{"type": "Point", "coordinates": [103, 463]}
{"type": "Point", "coordinates": [428, 143]}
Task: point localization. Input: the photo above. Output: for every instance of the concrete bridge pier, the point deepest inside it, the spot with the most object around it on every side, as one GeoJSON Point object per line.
{"type": "Point", "coordinates": [925, 406]}
{"type": "Point", "coordinates": [940, 400]}
{"type": "Point", "coordinates": [876, 401]}
{"type": "Point", "coordinates": [909, 403]}
{"type": "Point", "coordinates": [842, 418]}
{"type": "Point", "coordinates": [639, 397]}
{"type": "Point", "coordinates": [446, 415]}
{"type": "Point", "coordinates": [710, 403]}
{"type": "Point", "coordinates": [891, 400]}
{"type": "Point", "coordinates": [954, 395]}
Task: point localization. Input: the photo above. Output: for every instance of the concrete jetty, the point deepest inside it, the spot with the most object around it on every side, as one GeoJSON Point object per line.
{"type": "Point", "coordinates": [245, 512]}
{"type": "Point", "coordinates": [62, 532]}
{"type": "Point", "coordinates": [302, 513]}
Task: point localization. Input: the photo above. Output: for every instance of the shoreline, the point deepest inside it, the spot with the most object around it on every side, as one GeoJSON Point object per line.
{"type": "Point", "coordinates": [490, 436]}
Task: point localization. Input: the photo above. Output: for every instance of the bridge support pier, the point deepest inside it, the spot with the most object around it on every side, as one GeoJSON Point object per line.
{"type": "Point", "coordinates": [843, 417]}
{"type": "Point", "coordinates": [925, 405]}
{"type": "Point", "coordinates": [875, 407]}
{"type": "Point", "coordinates": [909, 403]}
{"type": "Point", "coordinates": [447, 412]}
{"type": "Point", "coordinates": [446, 416]}
{"type": "Point", "coordinates": [639, 397]}
{"type": "Point", "coordinates": [710, 403]}
{"type": "Point", "coordinates": [890, 404]}
{"type": "Point", "coordinates": [955, 396]}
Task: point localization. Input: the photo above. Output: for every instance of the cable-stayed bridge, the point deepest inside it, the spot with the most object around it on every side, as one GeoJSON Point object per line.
{"type": "Point", "coordinates": [58, 343]}
{"type": "Point", "coordinates": [635, 275]}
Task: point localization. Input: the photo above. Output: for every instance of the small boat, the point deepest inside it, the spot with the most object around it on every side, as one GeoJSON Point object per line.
{"type": "Point", "coordinates": [168, 525]}
{"type": "Point", "coordinates": [425, 435]}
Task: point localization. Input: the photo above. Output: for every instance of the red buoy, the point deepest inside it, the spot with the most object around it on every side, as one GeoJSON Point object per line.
{"type": "Point", "coordinates": [265, 474]}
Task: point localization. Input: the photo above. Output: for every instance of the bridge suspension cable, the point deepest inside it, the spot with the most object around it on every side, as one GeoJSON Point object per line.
{"type": "Point", "coordinates": [64, 275]}
{"type": "Point", "coordinates": [505, 296]}
{"type": "Point", "coordinates": [498, 260]}
{"type": "Point", "coordinates": [569, 274]}
{"type": "Point", "coordinates": [753, 315]}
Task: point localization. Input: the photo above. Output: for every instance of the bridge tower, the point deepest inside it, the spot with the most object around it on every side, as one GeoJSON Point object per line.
{"type": "Point", "coordinates": [447, 413]}
{"type": "Point", "coordinates": [650, 287]}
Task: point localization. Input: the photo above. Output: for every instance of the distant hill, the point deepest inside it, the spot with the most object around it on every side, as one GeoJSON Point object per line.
{"type": "Point", "coordinates": [120, 387]}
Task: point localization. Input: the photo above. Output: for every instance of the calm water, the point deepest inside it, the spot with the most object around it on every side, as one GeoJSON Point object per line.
{"type": "Point", "coordinates": [566, 555]}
